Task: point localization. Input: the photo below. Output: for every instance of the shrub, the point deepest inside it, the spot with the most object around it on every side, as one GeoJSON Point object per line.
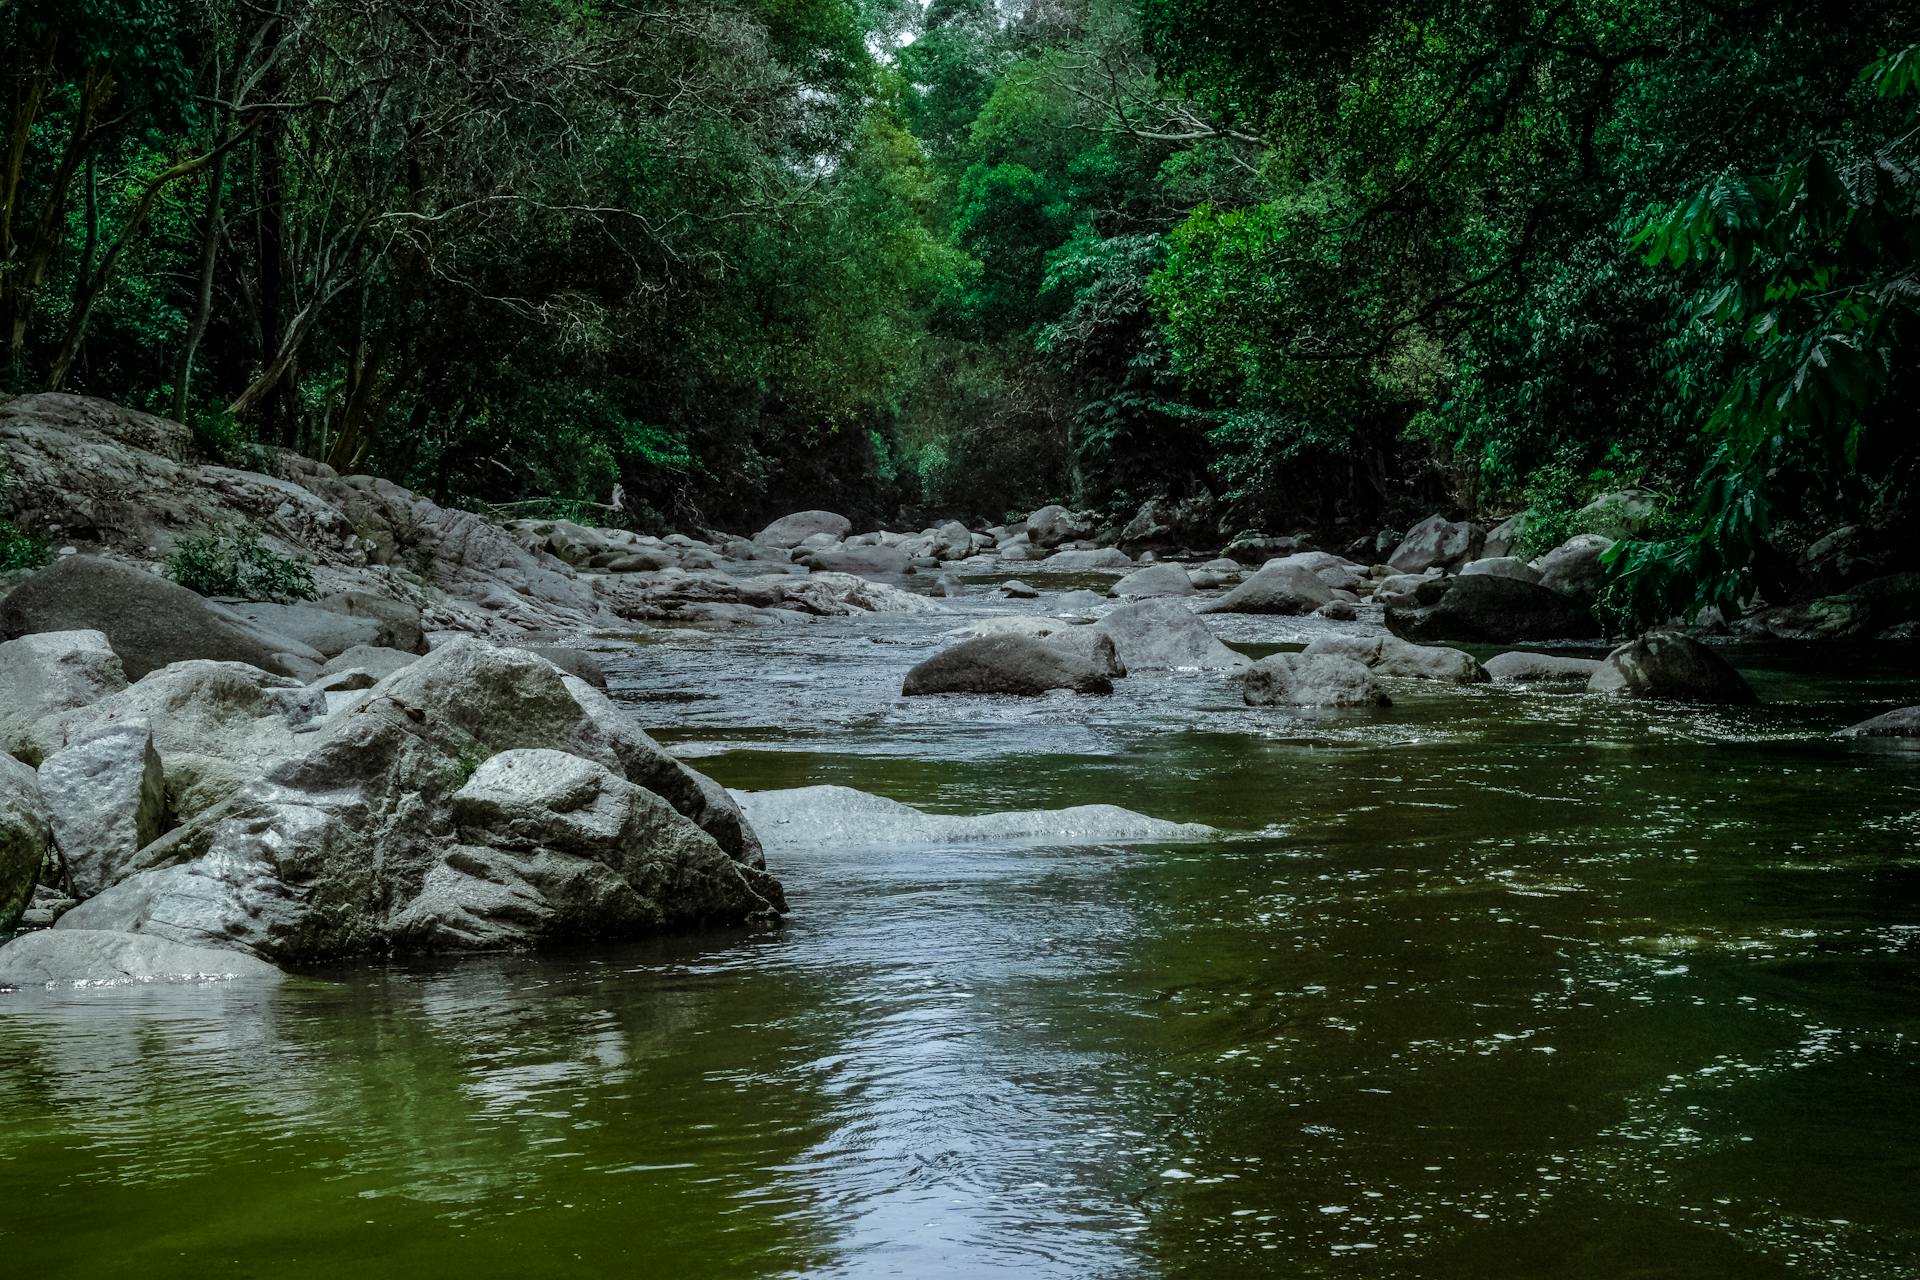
{"type": "Point", "coordinates": [19, 550]}
{"type": "Point", "coordinates": [233, 561]}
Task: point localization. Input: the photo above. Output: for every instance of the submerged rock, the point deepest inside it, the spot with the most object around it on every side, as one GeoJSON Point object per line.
{"type": "Point", "coordinates": [1312, 680]}
{"type": "Point", "coordinates": [1023, 665]}
{"type": "Point", "coordinates": [1519, 667]}
{"type": "Point", "coordinates": [843, 817]}
{"type": "Point", "coordinates": [1904, 723]}
{"type": "Point", "coordinates": [95, 957]}
{"type": "Point", "coordinates": [1673, 667]}
{"type": "Point", "coordinates": [1388, 656]}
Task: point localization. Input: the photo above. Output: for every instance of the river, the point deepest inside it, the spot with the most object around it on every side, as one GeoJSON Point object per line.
{"type": "Point", "coordinates": [1494, 983]}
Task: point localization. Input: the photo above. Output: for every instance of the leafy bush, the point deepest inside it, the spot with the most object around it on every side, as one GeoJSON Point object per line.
{"type": "Point", "coordinates": [230, 442]}
{"type": "Point", "coordinates": [233, 561]}
{"type": "Point", "coordinates": [20, 550]}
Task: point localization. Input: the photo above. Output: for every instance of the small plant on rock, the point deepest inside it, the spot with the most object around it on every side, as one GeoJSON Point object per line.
{"type": "Point", "coordinates": [233, 561]}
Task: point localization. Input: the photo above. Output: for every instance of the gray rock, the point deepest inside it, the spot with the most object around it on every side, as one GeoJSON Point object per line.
{"type": "Point", "coordinates": [1520, 667]}
{"type": "Point", "coordinates": [1573, 568]}
{"type": "Point", "coordinates": [1084, 560]}
{"type": "Point", "coordinates": [1012, 664]}
{"type": "Point", "coordinates": [1338, 611]}
{"type": "Point", "coordinates": [575, 662]}
{"type": "Point", "coordinates": [841, 818]}
{"type": "Point", "coordinates": [24, 838]}
{"type": "Point", "coordinates": [1504, 538]}
{"type": "Point", "coordinates": [952, 541]}
{"type": "Point", "coordinates": [1501, 567]}
{"type": "Point", "coordinates": [791, 531]}
{"type": "Point", "coordinates": [1669, 666]}
{"type": "Point", "coordinates": [323, 630]}
{"type": "Point", "coordinates": [106, 799]}
{"type": "Point", "coordinates": [1388, 656]}
{"type": "Point", "coordinates": [1903, 723]}
{"type": "Point", "coordinates": [1091, 643]}
{"type": "Point", "coordinates": [1278, 588]}
{"type": "Point", "coordinates": [1490, 609]}
{"type": "Point", "coordinates": [1258, 548]}
{"type": "Point", "coordinates": [397, 623]}
{"type": "Point", "coordinates": [1162, 635]}
{"type": "Point", "coordinates": [148, 621]}
{"type": "Point", "coordinates": [41, 675]}
{"type": "Point", "coordinates": [1438, 542]}
{"type": "Point", "coordinates": [380, 662]}
{"type": "Point", "coordinates": [1312, 680]}
{"type": "Point", "coordinates": [870, 561]}
{"type": "Point", "coordinates": [1050, 526]}
{"type": "Point", "coordinates": [1080, 601]}
{"type": "Point", "coordinates": [1015, 589]}
{"type": "Point", "coordinates": [1337, 572]}
{"type": "Point", "coordinates": [89, 957]}
{"type": "Point", "coordinates": [1153, 582]}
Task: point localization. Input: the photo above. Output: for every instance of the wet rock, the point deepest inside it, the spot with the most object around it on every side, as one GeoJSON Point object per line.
{"type": "Point", "coordinates": [1153, 582]}
{"type": "Point", "coordinates": [1164, 635]}
{"type": "Point", "coordinates": [1312, 680]}
{"type": "Point", "coordinates": [41, 675]}
{"type": "Point", "coordinates": [1438, 542]}
{"type": "Point", "coordinates": [24, 838]}
{"type": "Point", "coordinates": [870, 561]}
{"type": "Point", "coordinates": [791, 531]}
{"type": "Point", "coordinates": [1014, 589]}
{"type": "Point", "coordinates": [1091, 643]}
{"type": "Point", "coordinates": [1520, 667]}
{"type": "Point", "coordinates": [1904, 723]}
{"type": "Point", "coordinates": [106, 799]}
{"type": "Point", "coordinates": [578, 663]}
{"type": "Point", "coordinates": [1573, 568]}
{"type": "Point", "coordinates": [91, 957]}
{"type": "Point", "coordinates": [1669, 666]}
{"type": "Point", "coordinates": [1080, 560]}
{"type": "Point", "coordinates": [1277, 588]}
{"type": "Point", "coordinates": [1079, 601]}
{"type": "Point", "coordinates": [1501, 567]}
{"type": "Point", "coordinates": [1338, 572]}
{"type": "Point", "coordinates": [1487, 608]}
{"type": "Point", "coordinates": [1338, 611]}
{"type": "Point", "coordinates": [148, 621]}
{"type": "Point", "coordinates": [1010, 664]}
{"type": "Point", "coordinates": [1388, 656]}
{"type": "Point", "coordinates": [1258, 548]}
{"type": "Point", "coordinates": [841, 818]}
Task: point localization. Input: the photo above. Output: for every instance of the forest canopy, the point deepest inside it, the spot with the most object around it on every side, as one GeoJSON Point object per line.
{"type": "Point", "coordinates": [1308, 266]}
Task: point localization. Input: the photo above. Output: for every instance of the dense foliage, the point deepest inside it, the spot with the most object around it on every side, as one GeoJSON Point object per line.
{"type": "Point", "coordinates": [1329, 265]}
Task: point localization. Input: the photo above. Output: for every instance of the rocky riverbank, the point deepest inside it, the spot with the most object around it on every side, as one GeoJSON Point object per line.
{"type": "Point", "coordinates": [417, 756]}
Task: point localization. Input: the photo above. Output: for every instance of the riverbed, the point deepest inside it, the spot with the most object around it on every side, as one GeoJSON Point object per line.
{"type": "Point", "coordinates": [1493, 983]}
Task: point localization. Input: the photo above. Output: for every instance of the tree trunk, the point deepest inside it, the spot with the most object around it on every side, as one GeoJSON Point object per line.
{"type": "Point", "coordinates": [203, 297]}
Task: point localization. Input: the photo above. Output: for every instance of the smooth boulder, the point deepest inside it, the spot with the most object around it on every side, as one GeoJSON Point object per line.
{"type": "Point", "coordinates": [1389, 656]}
{"type": "Point", "coordinates": [1438, 542]}
{"type": "Point", "coordinates": [1164, 635]}
{"type": "Point", "coordinates": [98, 957]}
{"type": "Point", "coordinates": [1903, 723]}
{"type": "Point", "coordinates": [1153, 582]}
{"type": "Point", "coordinates": [1668, 666]}
{"type": "Point", "coordinates": [24, 838]}
{"type": "Point", "coordinates": [1501, 567]}
{"type": "Point", "coordinates": [1490, 609]}
{"type": "Point", "coordinates": [1311, 680]}
{"type": "Point", "coordinates": [842, 818]}
{"type": "Point", "coordinates": [1521, 667]}
{"type": "Point", "coordinates": [1574, 567]}
{"type": "Point", "coordinates": [1278, 588]}
{"type": "Point", "coordinates": [866, 562]}
{"type": "Point", "coordinates": [1052, 525]}
{"type": "Point", "coordinates": [1011, 664]}
{"type": "Point", "coordinates": [1083, 560]}
{"type": "Point", "coordinates": [791, 531]}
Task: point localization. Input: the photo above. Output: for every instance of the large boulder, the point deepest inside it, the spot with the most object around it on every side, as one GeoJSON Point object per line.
{"type": "Point", "coordinates": [1505, 538]}
{"type": "Point", "coordinates": [1278, 587]}
{"type": "Point", "coordinates": [51, 672]}
{"type": "Point", "coordinates": [397, 624]}
{"type": "Point", "coordinates": [1311, 680]}
{"type": "Point", "coordinates": [1669, 666]}
{"type": "Point", "coordinates": [1573, 568]}
{"type": "Point", "coordinates": [24, 838]}
{"type": "Point", "coordinates": [356, 843]}
{"type": "Point", "coordinates": [148, 621]}
{"type": "Point", "coordinates": [1163, 635]}
{"type": "Point", "coordinates": [1488, 608]}
{"type": "Point", "coordinates": [556, 848]}
{"type": "Point", "coordinates": [323, 630]}
{"type": "Point", "coordinates": [951, 541]}
{"type": "Point", "coordinates": [1091, 643]}
{"type": "Point", "coordinates": [1052, 525]}
{"type": "Point", "coordinates": [1153, 582]}
{"type": "Point", "coordinates": [106, 800]}
{"type": "Point", "coordinates": [1438, 542]}
{"type": "Point", "coordinates": [91, 957]}
{"type": "Point", "coordinates": [1014, 664]}
{"type": "Point", "coordinates": [1903, 723]}
{"type": "Point", "coordinates": [791, 531]}
{"type": "Point", "coordinates": [1521, 667]}
{"type": "Point", "coordinates": [1387, 656]}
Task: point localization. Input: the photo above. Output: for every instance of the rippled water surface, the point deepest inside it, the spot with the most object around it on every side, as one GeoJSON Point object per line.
{"type": "Point", "coordinates": [1492, 984]}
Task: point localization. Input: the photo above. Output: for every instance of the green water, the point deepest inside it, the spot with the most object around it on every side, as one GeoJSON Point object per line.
{"type": "Point", "coordinates": [1492, 984]}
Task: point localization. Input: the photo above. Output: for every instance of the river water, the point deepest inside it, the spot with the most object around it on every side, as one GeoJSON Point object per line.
{"type": "Point", "coordinates": [1494, 983]}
